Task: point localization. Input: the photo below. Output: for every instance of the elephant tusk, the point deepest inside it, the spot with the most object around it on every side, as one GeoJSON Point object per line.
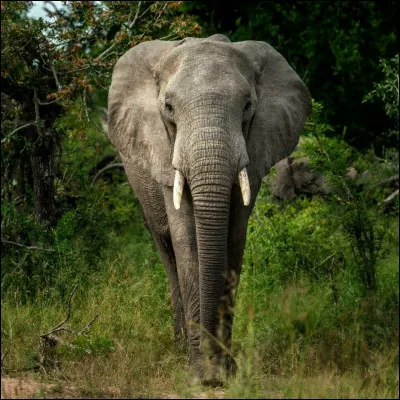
{"type": "Point", "coordinates": [244, 186]}
{"type": "Point", "coordinates": [178, 188]}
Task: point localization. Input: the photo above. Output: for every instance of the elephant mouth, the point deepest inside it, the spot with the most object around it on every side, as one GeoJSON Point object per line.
{"type": "Point", "coordinates": [179, 184]}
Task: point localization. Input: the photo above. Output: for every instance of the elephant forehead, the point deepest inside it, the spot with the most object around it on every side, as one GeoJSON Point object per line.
{"type": "Point", "coordinates": [208, 55]}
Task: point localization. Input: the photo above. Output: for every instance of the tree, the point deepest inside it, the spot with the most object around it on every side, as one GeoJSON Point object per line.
{"type": "Point", "coordinates": [334, 46]}
{"type": "Point", "coordinates": [49, 67]}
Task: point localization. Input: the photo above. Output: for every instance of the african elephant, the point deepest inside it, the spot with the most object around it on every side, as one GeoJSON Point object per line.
{"type": "Point", "coordinates": [198, 123]}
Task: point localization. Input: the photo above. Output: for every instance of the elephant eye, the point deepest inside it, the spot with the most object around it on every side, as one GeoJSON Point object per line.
{"type": "Point", "coordinates": [168, 106]}
{"type": "Point", "coordinates": [248, 105]}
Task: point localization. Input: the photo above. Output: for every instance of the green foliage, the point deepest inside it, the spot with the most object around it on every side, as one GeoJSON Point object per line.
{"type": "Point", "coordinates": [290, 240]}
{"type": "Point", "coordinates": [334, 46]}
{"type": "Point", "coordinates": [387, 90]}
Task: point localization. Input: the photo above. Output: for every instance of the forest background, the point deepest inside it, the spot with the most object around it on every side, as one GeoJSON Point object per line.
{"type": "Point", "coordinates": [318, 303]}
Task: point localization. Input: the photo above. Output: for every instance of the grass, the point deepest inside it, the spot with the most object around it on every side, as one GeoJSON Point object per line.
{"type": "Point", "coordinates": [293, 338]}
{"type": "Point", "coordinates": [284, 341]}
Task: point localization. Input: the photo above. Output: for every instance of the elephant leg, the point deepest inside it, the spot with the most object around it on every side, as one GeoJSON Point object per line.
{"type": "Point", "coordinates": [151, 199]}
{"type": "Point", "coordinates": [183, 235]}
{"type": "Point", "coordinates": [164, 246]}
{"type": "Point", "coordinates": [238, 220]}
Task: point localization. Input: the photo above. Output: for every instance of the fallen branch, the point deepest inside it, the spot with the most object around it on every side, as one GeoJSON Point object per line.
{"type": "Point", "coordinates": [48, 356]}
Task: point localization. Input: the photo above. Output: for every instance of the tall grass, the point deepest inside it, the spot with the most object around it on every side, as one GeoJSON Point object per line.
{"type": "Point", "coordinates": [294, 338]}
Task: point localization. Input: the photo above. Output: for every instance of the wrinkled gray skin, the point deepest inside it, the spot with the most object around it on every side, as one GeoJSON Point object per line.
{"type": "Point", "coordinates": [208, 108]}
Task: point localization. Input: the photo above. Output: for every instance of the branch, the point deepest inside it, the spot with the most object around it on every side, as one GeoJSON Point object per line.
{"type": "Point", "coordinates": [22, 127]}
{"type": "Point", "coordinates": [392, 178]}
{"type": "Point", "coordinates": [136, 16]}
{"type": "Point", "coordinates": [88, 325]}
{"type": "Point", "coordinates": [55, 77]}
{"type": "Point", "coordinates": [36, 102]}
{"type": "Point", "coordinates": [105, 52]}
{"type": "Point", "coordinates": [107, 167]}
{"type": "Point", "coordinates": [52, 330]}
{"type": "Point", "coordinates": [160, 13]}
{"type": "Point", "coordinates": [50, 102]}
{"type": "Point", "coordinates": [83, 96]}
{"type": "Point", "coordinates": [391, 197]}
{"type": "Point", "coordinates": [27, 247]}
{"type": "Point", "coordinates": [145, 11]}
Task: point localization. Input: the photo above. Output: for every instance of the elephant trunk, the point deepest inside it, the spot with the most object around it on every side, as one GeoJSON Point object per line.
{"type": "Point", "coordinates": [211, 176]}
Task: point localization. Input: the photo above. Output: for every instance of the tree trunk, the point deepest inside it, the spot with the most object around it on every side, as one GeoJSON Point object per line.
{"type": "Point", "coordinates": [42, 163]}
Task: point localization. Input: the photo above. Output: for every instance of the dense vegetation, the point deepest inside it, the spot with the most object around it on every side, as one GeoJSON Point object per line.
{"type": "Point", "coordinates": [318, 302]}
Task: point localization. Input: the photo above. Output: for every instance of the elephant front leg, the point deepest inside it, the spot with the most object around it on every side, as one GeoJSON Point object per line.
{"type": "Point", "coordinates": [183, 236]}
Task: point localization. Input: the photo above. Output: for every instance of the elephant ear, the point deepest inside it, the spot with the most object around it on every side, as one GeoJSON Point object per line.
{"type": "Point", "coordinates": [282, 109]}
{"type": "Point", "coordinates": [135, 126]}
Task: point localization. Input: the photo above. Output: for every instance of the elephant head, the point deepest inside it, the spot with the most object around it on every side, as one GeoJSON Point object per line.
{"type": "Point", "coordinates": [206, 115]}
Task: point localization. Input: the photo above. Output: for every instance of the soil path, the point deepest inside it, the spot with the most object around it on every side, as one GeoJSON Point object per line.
{"type": "Point", "coordinates": [27, 388]}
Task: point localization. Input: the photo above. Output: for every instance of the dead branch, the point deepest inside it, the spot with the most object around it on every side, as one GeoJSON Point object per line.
{"type": "Point", "coordinates": [87, 327]}
{"type": "Point", "coordinates": [52, 330]}
{"type": "Point", "coordinates": [391, 197]}
{"type": "Point", "coordinates": [107, 167]}
{"type": "Point", "coordinates": [59, 327]}
{"type": "Point", "coordinates": [27, 247]}
{"type": "Point", "coordinates": [48, 357]}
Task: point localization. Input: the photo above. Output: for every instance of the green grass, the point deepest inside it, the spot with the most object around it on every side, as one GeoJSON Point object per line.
{"type": "Point", "coordinates": [304, 325]}
{"type": "Point", "coordinates": [290, 341]}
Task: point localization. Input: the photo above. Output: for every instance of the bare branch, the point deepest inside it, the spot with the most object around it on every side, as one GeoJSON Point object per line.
{"type": "Point", "coordinates": [52, 330]}
{"type": "Point", "coordinates": [22, 127]}
{"type": "Point", "coordinates": [105, 52]}
{"type": "Point", "coordinates": [145, 11]}
{"type": "Point", "coordinates": [27, 247]}
{"type": "Point", "coordinates": [160, 13]}
{"type": "Point", "coordinates": [50, 102]}
{"type": "Point", "coordinates": [391, 197]}
{"type": "Point", "coordinates": [107, 167]}
{"type": "Point", "coordinates": [87, 327]}
{"type": "Point", "coordinates": [55, 77]}
{"type": "Point", "coordinates": [62, 328]}
{"type": "Point", "coordinates": [136, 16]}
{"type": "Point", "coordinates": [391, 179]}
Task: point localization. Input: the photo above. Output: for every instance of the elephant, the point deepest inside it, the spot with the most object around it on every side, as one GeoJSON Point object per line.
{"type": "Point", "coordinates": [198, 123]}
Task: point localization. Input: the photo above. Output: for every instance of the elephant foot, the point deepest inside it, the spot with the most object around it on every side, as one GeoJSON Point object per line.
{"type": "Point", "coordinates": [214, 371]}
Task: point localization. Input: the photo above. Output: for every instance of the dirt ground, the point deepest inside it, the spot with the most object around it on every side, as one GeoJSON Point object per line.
{"type": "Point", "coordinates": [27, 388]}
